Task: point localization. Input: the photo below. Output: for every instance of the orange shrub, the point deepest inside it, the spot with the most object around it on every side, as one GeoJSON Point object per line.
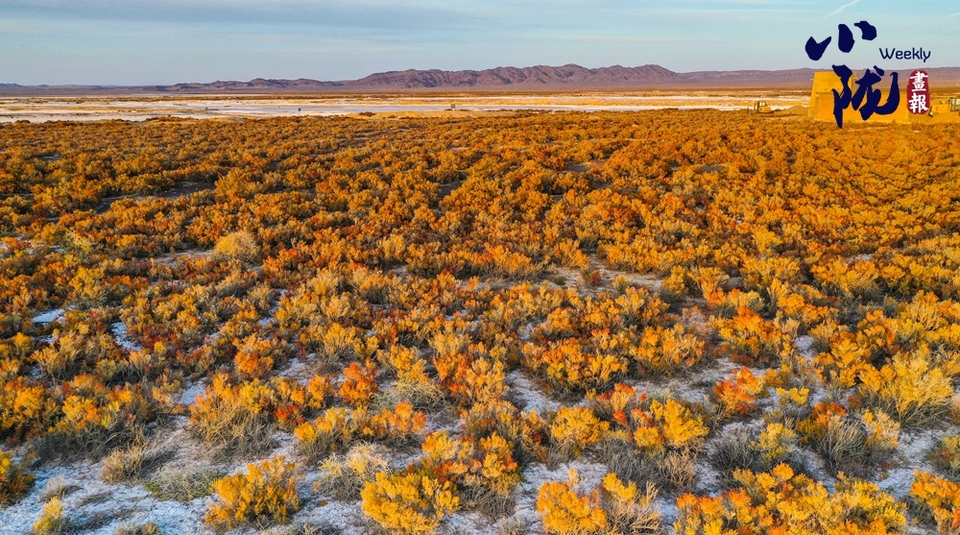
{"type": "Point", "coordinates": [666, 351]}
{"type": "Point", "coordinates": [487, 462]}
{"type": "Point", "coordinates": [266, 493]}
{"type": "Point", "coordinates": [256, 356]}
{"type": "Point", "coordinates": [910, 388]}
{"type": "Point", "coordinates": [359, 384]}
{"type": "Point", "coordinates": [339, 427]}
{"type": "Point", "coordinates": [576, 428]}
{"type": "Point", "coordinates": [780, 501]}
{"type": "Point", "coordinates": [566, 512]}
{"type": "Point", "coordinates": [569, 366]}
{"type": "Point", "coordinates": [940, 498]}
{"type": "Point", "coordinates": [751, 340]}
{"type": "Point", "coordinates": [667, 425]}
{"type": "Point", "coordinates": [408, 502]}
{"type": "Point", "coordinates": [738, 394]}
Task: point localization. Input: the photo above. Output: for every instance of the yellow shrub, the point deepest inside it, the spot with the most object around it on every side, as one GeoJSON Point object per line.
{"type": "Point", "coordinates": [781, 502]}
{"type": "Point", "coordinates": [232, 419]}
{"type": "Point", "coordinates": [569, 365]}
{"type": "Point", "coordinates": [343, 476]}
{"type": "Point", "coordinates": [240, 245]}
{"type": "Point", "coordinates": [51, 520]}
{"type": "Point", "coordinates": [858, 280]}
{"type": "Point", "coordinates": [447, 456]}
{"type": "Point", "coordinates": [266, 493]}
{"type": "Point", "coordinates": [331, 431]}
{"type": "Point", "coordinates": [494, 465]}
{"type": "Point", "coordinates": [336, 342]}
{"type": "Point", "coordinates": [96, 417]}
{"type": "Point", "coordinates": [575, 428]}
{"type": "Point", "coordinates": [666, 351]}
{"type": "Point", "coordinates": [408, 503]}
{"type": "Point", "coordinates": [318, 389]}
{"type": "Point", "coordinates": [844, 362]}
{"type": "Point", "coordinates": [25, 408]}
{"type": "Point", "coordinates": [485, 381]}
{"type": "Point", "coordinates": [629, 511]}
{"type": "Point", "coordinates": [941, 498]}
{"type": "Point", "coordinates": [338, 427]}
{"type": "Point", "coordinates": [667, 425]}
{"type": "Point", "coordinates": [849, 442]}
{"type": "Point", "coordinates": [910, 388]}
{"type": "Point", "coordinates": [15, 480]}
{"type": "Point", "coordinates": [565, 512]}
{"type": "Point", "coordinates": [487, 462]}
{"type": "Point", "coordinates": [776, 443]}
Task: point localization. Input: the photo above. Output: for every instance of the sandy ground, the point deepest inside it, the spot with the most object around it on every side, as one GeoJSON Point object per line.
{"type": "Point", "coordinates": [141, 108]}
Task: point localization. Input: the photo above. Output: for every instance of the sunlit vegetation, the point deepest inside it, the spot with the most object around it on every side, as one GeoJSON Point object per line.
{"type": "Point", "coordinates": [364, 291]}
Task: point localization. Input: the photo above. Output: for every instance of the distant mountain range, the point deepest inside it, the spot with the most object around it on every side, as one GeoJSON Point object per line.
{"type": "Point", "coordinates": [539, 77]}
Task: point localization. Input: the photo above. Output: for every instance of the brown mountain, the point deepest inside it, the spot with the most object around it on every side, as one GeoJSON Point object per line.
{"type": "Point", "coordinates": [539, 77]}
{"type": "Point", "coordinates": [529, 77]}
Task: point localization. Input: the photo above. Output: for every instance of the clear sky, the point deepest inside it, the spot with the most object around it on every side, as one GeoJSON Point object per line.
{"type": "Point", "coordinates": [168, 41]}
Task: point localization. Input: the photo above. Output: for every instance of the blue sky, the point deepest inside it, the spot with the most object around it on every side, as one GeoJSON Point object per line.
{"type": "Point", "coordinates": [169, 41]}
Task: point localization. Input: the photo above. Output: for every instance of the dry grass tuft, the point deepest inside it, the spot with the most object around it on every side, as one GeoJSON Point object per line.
{"type": "Point", "coordinates": [131, 463]}
{"type": "Point", "coordinates": [342, 476]}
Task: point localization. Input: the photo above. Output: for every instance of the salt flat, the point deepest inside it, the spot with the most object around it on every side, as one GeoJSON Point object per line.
{"type": "Point", "coordinates": [207, 107]}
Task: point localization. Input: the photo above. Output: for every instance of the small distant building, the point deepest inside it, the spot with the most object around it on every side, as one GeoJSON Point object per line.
{"type": "Point", "coordinates": [945, 105]}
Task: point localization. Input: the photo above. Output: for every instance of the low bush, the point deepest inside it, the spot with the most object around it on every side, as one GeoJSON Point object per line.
{"type": "Point", "coordinates": [51, 520]}
{"type": "Point", "coordinates": [851, 443]}
{"type": "Point", "coordinates": [911, 388]}
{"type": "Point", "coordinates": [737, 395]}
{"type": "Point", "coordinates": [267, 493]}
{"type": "Point", "coordinates": [780, 501]}
{"type": "Point", "coordinates": [338, 427]}
{"type": "Point", "coordinates": [755, 450]}
{"type": "Point", "coordinates": [150, 528]}
{"type": "Point", "coordinates": [938, 498]}
{"type": "Point", "coordinates": [945, 455]}
{"type": "Point", "coordinates": [664, 351]}
{"type": "Point", "coordinates": [751, 340]}
{"type": "Point", "coordinates": [183, 485]}
{"type": "Point", "coordinates": [630, 511]}
{"type": "Point", "coordinates": [233, 419]}
{"type": "Point", "coordinates": [564, 511]}
{"type": "Point", "coordinates": [240, 245]}
{"type": "Point", "coordinates": [130, 463]}
{"type": "Point", "coordinates": [408, 503]}
{"type": "Point", "coordinates": [15, 478]}
{"type": "Point", "coordinates": [343, 476]}
{"type": "Point", "coordinates": [575, 428]}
